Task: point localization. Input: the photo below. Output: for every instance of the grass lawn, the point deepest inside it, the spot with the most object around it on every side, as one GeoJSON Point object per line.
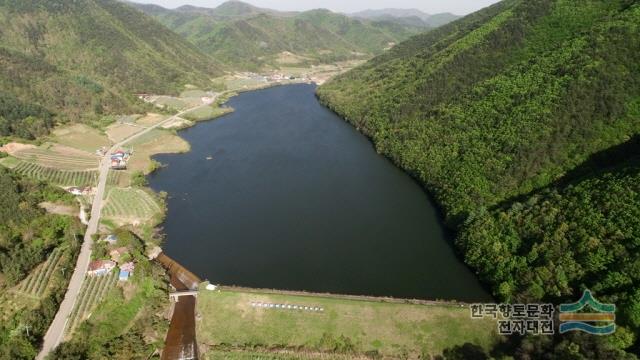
{"type": "Point", "coordinates": [227, 319]}
{"type": "Point", "coordinates": [278, 355]}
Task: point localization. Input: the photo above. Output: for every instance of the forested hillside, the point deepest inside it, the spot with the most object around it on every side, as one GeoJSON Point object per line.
{"type": "Point", "coordinates": [80, 58]}
{"type": "Point", "coordinates": [520, 119]}
{"type": "Point", "coordinates": [585, 233]}
{"type": "Point", "coordinates": [248, 37]}
{"type": "Point", "coordinates": [28, 236]}
{"type": "Point", "coordinates": [503, 101]}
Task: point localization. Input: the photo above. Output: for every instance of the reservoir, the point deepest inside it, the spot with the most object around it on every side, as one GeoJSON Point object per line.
{"type": "Point", "coordinates": [284, 194]}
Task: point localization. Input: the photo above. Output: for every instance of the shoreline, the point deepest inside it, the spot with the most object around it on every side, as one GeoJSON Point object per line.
{"type": "Point", "coordinates": [225, 97]}
{"type": "Point", "coordinates": [326, 295]}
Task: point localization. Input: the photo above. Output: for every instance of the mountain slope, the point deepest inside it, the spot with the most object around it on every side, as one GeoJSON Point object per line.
{"type": "Point", "coordinates": [503, 101]}
{"type": "Point", "coordinates": [585, 231]}
{"type": "Point", "coordinates": [435, 20]}
{"type": "Point", "coordinates": [88, 56]}
{"type": "Point", "coordinates": [250, 37]}
{"type": "Point", "coordinates": [523, 120]}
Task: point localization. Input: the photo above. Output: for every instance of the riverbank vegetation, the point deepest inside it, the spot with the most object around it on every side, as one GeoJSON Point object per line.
{"type": "Point", "coordinates": [230, 323]}
{"type": "Point", "coordinates": [500, 115]}
{"type": "Point", "coordinates": [37, 254]}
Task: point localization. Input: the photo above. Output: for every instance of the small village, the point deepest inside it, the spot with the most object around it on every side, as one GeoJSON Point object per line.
{"type": "Point", "coordinates": [117, 257]}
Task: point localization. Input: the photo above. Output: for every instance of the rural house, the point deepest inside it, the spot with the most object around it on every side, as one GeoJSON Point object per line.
{"type": "Point", "coordinates": [100, 267]}
{"type": "Point", "coordinates": [126, 270]}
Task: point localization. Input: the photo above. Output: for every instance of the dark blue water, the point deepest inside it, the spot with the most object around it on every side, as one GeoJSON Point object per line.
{"type": "Point", "coordinates": [295, 198]}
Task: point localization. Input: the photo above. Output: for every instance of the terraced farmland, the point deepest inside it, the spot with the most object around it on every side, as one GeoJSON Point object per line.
{"type": "Point", "coordinates": [58, 160]}
{"type": "Point", "coordinates": [56, 176]}
{"type": "Point", "coordinates": [37, 282]}
{"type": "Point", "coordinates": [94, 289]}
{"type": "Point", "coordinates": [114, 177]}
{"type": "Point", "coordinates": [130, 203]}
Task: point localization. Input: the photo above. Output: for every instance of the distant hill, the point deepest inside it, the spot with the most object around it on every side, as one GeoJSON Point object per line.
{"type": "Point", "coordinates": [248, 37]}
{"type": "Point", "coordinates": [82, 58]}
{"type": "Point", "coordinates": [428, 20]}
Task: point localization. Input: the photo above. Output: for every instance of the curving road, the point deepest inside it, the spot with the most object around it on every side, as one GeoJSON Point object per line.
{"type": "Point", "coordinates": [55, 334]}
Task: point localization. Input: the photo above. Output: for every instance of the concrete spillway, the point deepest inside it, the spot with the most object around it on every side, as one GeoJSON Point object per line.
{"type": "Point", "coordinates": [180, 343]}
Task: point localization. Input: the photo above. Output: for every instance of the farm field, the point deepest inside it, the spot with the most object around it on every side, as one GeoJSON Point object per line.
{"type": "Point", "coordinates": [390, 329]}
{"type": "Point", "coordinates": [94, 289]}
{"type": "Point", "coordinates": [52, 175]}
{"type": "Point", "coordinates": [60, 157]}
{"type": "Point", "coordinates": [81, 137]}
{"type": "Point", "coordinates": [120, 131]}
{"type": "Point", "coordinates": [193, 93]}
{"type": "Point", "coordinates": [176, 103]}
{"type": "Point", "coordinates": [238, 83]}
{"type": "Point", "coordinates": [154, 142]}
{"type": "Point", "coordinates": [38, 280]}
{"type": "Point", "coordinates": [151, 119]}
{"type": "Point", "coordinates": [206, 112]}
{"type": "Point", "coordinates": [130, 206]}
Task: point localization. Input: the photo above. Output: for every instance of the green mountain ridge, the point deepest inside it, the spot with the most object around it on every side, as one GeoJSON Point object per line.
{"type": "Point", "coordinates": [499, 115]}
{"type": "Point", "coordinates": [85, 58]}
{"type": "Point", "coordinates": [251, 38]}
{"type": "Point", "coordinates": [428, 20]}
{"type": "Point", "coordinates": [461, 93]}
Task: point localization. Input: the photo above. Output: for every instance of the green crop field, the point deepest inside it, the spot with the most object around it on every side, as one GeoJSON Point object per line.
{"type": "Point", "coordinates": [58, 160]}
{"type": "Point", "coordinates": [56, 176]}
{"type": "Point", "coordinates": [115, 178]}
{"type": "Point", "coordinates": [36, 283]}
{"type": "Point", "coordinates": [131, 203]}
{"type": "Point", "coordinates": [94, 289]}
{"type": "Point", "coordinates": [229, 319]}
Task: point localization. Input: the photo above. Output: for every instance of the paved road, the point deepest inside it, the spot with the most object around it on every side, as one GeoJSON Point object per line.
{"type": "Point", "coordinates": [55, 334]}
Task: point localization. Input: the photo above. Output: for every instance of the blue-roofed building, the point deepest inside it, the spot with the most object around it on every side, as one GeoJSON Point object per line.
{"type": "Point", "coordinates": [124, 275]}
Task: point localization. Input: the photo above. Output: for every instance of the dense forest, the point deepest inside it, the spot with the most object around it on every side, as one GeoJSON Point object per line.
{"type": "Point", "coordinates": [28, 235]}
{"type": "Point", "coordinates": [505, 117]}
{"type": "Point", "coordinates": [249, 38]}
{"type": "Point", "coordinates": [77, 60]}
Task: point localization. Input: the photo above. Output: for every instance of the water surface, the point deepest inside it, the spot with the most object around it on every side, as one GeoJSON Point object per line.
{"type": "Point", "coordinates": [292, 197]}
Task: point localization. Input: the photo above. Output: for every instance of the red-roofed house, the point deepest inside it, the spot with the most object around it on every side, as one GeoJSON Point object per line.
{"type": "Point", "coordinates": [100, 267]}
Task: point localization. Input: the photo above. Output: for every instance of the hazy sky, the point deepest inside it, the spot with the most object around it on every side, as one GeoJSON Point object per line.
{"type": "Point", "coordinates": [461, 7]}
